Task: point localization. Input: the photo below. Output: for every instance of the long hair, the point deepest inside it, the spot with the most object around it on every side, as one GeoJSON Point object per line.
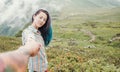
{"type": "Point", "coordinates": [46, 29]}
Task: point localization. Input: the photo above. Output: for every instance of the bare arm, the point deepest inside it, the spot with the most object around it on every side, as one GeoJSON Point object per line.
{"type": "Point", "coordinates": [17, 60]}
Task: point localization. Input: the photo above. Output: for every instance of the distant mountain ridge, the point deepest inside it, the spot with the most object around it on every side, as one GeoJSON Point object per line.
{"type": "Point", "coordinates": [14, 14]}
{"type": "Point", "coordinates": [93, 4]}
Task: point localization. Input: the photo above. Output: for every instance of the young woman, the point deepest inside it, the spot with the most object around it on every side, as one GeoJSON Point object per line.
{"type": "Point", "coordinates": [41, 31]}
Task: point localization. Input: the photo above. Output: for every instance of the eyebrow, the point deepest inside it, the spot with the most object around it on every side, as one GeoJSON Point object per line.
{"type": "Point", "coordinates": [43, 17]}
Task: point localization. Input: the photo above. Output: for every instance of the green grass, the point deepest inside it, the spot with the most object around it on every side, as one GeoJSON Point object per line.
{"type": "Point", "coordinates": [69, 50]}
{"type": "Point", "coordinates": [9, 43]}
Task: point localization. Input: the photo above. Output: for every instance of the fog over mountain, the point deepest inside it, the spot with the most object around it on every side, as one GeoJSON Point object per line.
{"type": "Point", "coordinates": [14, 14]}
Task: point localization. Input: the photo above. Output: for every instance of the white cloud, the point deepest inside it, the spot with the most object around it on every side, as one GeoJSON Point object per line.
{"type": "Point", "coordinates": [17, 12]}
{"type": "Point", "coordinates": [14, 11]}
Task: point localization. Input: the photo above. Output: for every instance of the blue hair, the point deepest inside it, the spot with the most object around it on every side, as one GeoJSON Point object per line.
{"type": "Point", "coordinates": [48, 37]}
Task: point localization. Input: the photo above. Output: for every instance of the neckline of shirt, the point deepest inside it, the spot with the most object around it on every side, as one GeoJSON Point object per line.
{"type": "Point", "coordinates": [34, 29]}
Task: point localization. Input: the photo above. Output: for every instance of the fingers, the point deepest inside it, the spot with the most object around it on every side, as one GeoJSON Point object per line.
{"type": "Point", "coordinates": [32, 46]}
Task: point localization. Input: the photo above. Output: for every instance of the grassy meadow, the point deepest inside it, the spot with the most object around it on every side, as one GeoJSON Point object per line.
{"type": "Point", "coordinates": [70, 49]}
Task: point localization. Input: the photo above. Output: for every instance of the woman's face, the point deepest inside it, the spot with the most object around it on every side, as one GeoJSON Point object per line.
{"type": "Point", "coordinates": [40, 19]}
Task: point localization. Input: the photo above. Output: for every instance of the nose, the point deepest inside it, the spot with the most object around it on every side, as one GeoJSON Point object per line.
{"type": "Point", "coordinates": [42, 20]}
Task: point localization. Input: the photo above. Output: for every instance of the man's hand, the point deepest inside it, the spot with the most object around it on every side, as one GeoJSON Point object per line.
{"type": "Point", "coordinates": [17, 60]}
{"type": "Point", "coordinates": [32, 46]}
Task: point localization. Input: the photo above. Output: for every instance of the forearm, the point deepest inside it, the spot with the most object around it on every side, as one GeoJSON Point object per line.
{"type": "Point", "coordinates": [15, 60]}
{"type": "Point", "coordinates": [18, 59]}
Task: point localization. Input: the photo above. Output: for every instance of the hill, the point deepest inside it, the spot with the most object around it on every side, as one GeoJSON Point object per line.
{"type": "Point", "coordinates": [71, 50]}
{"type": "Point", "coordinates": [14, 14]}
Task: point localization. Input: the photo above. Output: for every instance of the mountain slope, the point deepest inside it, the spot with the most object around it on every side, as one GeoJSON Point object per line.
{"type": "Point", "coordinates": [14, 14]}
